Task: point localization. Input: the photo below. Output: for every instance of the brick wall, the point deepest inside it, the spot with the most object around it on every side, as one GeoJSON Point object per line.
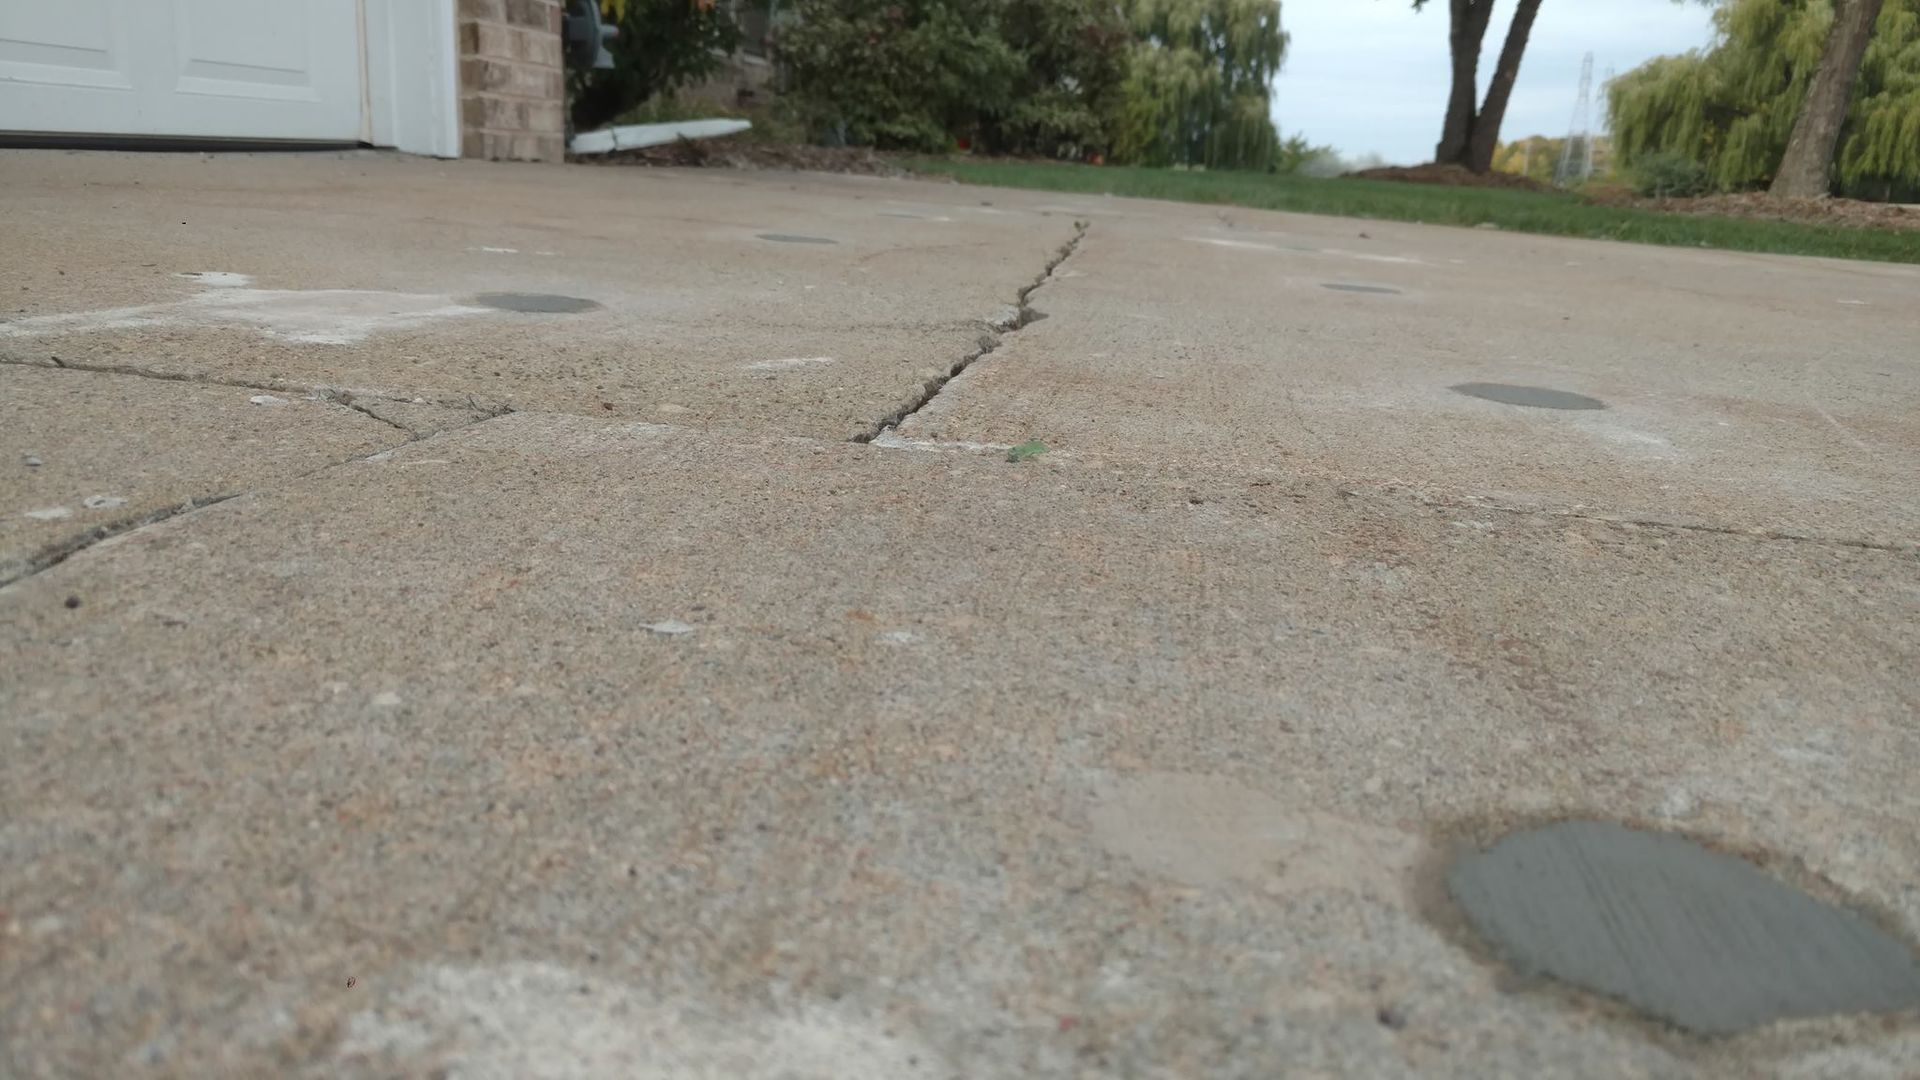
{"type": "Point", "coordinates": [512, 87]}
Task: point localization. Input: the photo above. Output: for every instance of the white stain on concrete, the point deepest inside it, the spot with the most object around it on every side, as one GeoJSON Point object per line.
{"type": "Point", "coordinates": [51, 513]}
{"type": "Point", "coordinates": [308, 317]}
{"type": "Point", "coordinates": [267, 399]}
{"type": "Point", "coordinates": [1628, 436]}
{"type": "Point", "coordinates": [548, 1022]}
{"type": "Point", "coordinates": [497, 250]}
{"type": "Point", "coordinates": [1678, 805]}
{"type": "Point", "coordinates": [386, 699]}
{"type": "Point", "coordinates": [103, 502]}
{"type": "Point", "coordinates": [1852, 303]}
{"type": "Point", "coordinates": [1054, 208]}
{"type": "Point", "coordinates": [218, 279]}
{"type": "Point", "coordinates": [1241, 245]}
{"type": "Point", "coordinates": [1211, 832]}
{"type": "Point", "coordinates": [891, 439]}
{"type": "Point", "coordinates": [670, 628]}
{"type": "Point", "coordinates": [1007, 318]}
{"type": "Point", "coordinates": [898, 637]}
{"type": "Point", "coordinates": [1364, 256]}
{"type": "Point", "coordinates": [787, 363]}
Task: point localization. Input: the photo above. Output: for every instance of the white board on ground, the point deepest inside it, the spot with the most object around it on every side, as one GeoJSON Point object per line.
{"type": "Point", "coordinates": [634, 136]}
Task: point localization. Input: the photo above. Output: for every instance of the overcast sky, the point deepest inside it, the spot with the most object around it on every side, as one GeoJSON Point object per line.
{"type": "Point", "coordinates": [1370, 76]}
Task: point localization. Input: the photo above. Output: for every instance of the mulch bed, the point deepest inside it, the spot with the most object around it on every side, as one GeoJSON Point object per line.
{"type": "Point", "coordinates": [1449, 176]}
{"type": "Point", "coordinates": [1758, 205]}
{"type": "Point", "coordinates": [748, 154]}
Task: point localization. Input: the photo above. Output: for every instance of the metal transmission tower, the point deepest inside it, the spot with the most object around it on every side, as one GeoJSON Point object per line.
{"type": "Point", "coordinates": [1576, 157]}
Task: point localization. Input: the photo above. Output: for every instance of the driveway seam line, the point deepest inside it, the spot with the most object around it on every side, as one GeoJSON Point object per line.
{"type": "Point", "coordinates": [53, 555]}
{"type": "Point", "coordinates": [1893, 547]}
{"type": "Point", "coordinates": [283, 386]}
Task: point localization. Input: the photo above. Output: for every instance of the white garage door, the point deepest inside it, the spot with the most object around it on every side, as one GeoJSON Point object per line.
{"type": "Point", "coordinates": [256, 69]}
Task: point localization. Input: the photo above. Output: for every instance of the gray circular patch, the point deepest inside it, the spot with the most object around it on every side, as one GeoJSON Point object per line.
{"type": "Point", "coordinates": [1533, 397]}
{"type": "Point", "coordinates": [789, 238]}
{"type": "Point", "coordinates": [1698, 938]}
{"type": "Point", "coordinates": [1339, 286]}
{"type": "Point", "coordinates": [536, 303]}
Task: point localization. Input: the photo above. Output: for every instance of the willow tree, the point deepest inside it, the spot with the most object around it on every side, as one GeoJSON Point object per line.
{"type": "Point", "coordinates": [1732, 106]}
{"type": "Point", "coordinates": [1471, 132]}
{"type": "Point", "coordinates": [1806, 169]}
{"type": "Point", "coordinates": [1199, 87]}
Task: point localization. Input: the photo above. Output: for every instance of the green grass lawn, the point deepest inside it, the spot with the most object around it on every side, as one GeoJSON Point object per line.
{"type": "Point", "coordinates": [1519, 211]}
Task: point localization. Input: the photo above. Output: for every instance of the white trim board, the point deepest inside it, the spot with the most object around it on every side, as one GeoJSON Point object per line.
{"type": "Point", "coordinates": [413, 76]}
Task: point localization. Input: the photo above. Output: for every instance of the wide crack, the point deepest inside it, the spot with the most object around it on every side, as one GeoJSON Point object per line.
{"type": "Point", "coordinates": [1017, 319]}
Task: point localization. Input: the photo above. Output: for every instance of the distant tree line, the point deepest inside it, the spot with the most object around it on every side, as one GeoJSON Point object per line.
{"type": "Point", "coordinates": [1772, 102]}
{"type": "Point", "coordinates": [1155, 82]}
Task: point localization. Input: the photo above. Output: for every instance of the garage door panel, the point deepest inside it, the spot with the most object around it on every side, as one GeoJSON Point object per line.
{"type": "Point", "coordinates": [76, 43]}
{"type": "Point", "coordinates": [267, 69]}
{"type": "Point", "coordinates": [240, 49]}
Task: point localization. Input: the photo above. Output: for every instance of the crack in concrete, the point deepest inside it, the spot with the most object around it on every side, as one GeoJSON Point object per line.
{"type": "Point", "coordinates": [1893, 547]}
{"type": "Point", "coordinates": [54, 554]}
{"type": "Point", "coordinates": [1020, 317]}
{"type": "Point", "coordinates": [345, 399]}
{"type": "Point", "coordinates": [282, 386]}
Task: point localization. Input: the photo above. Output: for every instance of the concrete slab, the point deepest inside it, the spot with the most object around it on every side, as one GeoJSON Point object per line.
{"type": "Point", "coordinates": [85, 454]}
{"type": "Point", "coordinates": [371, 272]}
{"type": "Point", "coordinates": [1738, 391]}
{"type": "Point", "coordinates": [657, 730]}
{"type": "Point", "coordinates": [966, 767]}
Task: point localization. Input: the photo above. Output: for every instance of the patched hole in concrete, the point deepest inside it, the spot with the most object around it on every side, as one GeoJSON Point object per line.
{"type": "Point", "coordinates": [1699, 938]}
{"type": "Point", "coordinates": [1340, 286]}
{"type": "Point", "coordinates": [536, 303]}
{"type": "Point", "coordinates": [789, 238]}
{"type": "Point", "coordinates": [1533, 397]}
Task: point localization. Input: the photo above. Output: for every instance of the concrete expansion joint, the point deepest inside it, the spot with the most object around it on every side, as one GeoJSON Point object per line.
{"type": "Point", "coordinates": [50, 557]}
{"type": "Point", "coordinates": [55, 554]}
{"type": "Point", "coordinates": [1893, 547]}
{"type": "Point", "coordinates": [998, 330]}
{"type": "Point", "coordinates": [279, 386]}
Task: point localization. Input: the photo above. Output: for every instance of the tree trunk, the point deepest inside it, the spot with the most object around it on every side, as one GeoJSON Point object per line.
{"type": "Point", "coordinates": [1466, 29]}
{"type": "Point", "coordinates": [1486, 127]}
{"type": "Point", "coordinates": [1806, 170]}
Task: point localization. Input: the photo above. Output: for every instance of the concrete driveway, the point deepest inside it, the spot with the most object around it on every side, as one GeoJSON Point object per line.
{"type": "Point", "coordinates": [484, 620]}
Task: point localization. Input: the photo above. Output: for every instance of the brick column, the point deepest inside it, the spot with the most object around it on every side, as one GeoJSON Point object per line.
{"type": "Point", "coordinates": [512, 85]}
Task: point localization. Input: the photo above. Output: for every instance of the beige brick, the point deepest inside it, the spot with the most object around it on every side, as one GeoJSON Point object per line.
{"type": "Point", "coordinates": [487, 145]}
{"type": "Point", "coordinates": [538, 47]}
{"type": "Point", "coordinates": [537, 148]}
{"type": "Point", "coordinates": [494, 113]}
{"type": "Point", "coordinates": [495, 10]}
{"type": "Point", "coordinates": [487, 76]}
{"type": "Point", "coordinates": [534, 13]}
{"type": "Point", "coordinates": [489, 39]}
{"type": "Point", "coordinates": [544, 118]}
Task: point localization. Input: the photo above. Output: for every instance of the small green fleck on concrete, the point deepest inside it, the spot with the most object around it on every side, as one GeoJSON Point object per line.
{"type": "Point", "coordinates": [1032, 448]}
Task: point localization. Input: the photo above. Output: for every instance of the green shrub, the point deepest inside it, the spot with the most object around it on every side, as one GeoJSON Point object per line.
{"type": "Point", "coordinates": [913, 74]}
{"type": "Point", "coordinates": [663, 45]}
{"type": "Point", "coordinates": [1669, 174]}
{"type": "Point", "coordinates": [1153, 81]}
